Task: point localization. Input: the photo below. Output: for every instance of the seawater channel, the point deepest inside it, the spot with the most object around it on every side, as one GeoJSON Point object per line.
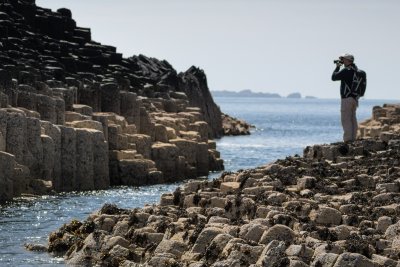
{"type": "Point", "coordinates": [283, 127]}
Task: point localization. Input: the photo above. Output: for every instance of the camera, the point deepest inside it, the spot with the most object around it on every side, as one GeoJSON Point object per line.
{"type": "Point", "coordinates": [337, 61]}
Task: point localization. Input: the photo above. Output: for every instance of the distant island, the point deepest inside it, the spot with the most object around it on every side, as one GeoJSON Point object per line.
{"type": "Point", "coordinates": [249, 93]}
{"type": "Point", "coordinates": [243, 93]}
{"type": "Point", "coordinates": [294, 95]}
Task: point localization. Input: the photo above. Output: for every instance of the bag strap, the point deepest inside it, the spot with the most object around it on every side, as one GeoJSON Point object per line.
{"type": "Point", "coordinates": [358, 79]}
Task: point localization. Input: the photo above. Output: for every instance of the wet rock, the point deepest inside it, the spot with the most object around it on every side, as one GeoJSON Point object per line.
{"type": "Point", "coordinates": [36, 247]}
{"type": "Point", "coordinates": [234, 126]}
{"type": "Point", "coordinates": [7, 165]}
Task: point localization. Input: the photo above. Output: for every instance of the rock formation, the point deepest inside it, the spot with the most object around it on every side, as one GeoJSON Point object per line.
{"type": "Point", "coordinates": [76, 115]}
{"type": "Point", "coordinates": [338, 205]}
{"type": "Point", "coordinates": [384, 123]}
{"type": "Point", "coordinates": [234, 126]}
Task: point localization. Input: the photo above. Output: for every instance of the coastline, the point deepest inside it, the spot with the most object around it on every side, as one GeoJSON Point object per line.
{"type": "Point", "coordinates": [70, 202]}
{"type": "Point", "coordinates": [77, 116]}
{"type": "Point", "coordinates": [309, 209]}
{"type": "Point", "coordinates": [122, 202]}
{"type": "Point", "coordinates": [334, 205]}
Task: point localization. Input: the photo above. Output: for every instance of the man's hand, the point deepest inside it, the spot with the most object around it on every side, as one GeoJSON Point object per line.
{"type": "Point", "coordinates": [338, 64]}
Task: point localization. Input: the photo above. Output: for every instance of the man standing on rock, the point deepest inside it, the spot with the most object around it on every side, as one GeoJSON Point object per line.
{"type": "Point", "coordinates": [349, 102]}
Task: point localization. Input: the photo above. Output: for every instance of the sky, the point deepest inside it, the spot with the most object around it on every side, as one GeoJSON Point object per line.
{"type": "Point", "coordinates": [274, 46]}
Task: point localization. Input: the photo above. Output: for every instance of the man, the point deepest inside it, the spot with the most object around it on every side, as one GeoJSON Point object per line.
{"type": "Point", "coordinates": [349, 102]}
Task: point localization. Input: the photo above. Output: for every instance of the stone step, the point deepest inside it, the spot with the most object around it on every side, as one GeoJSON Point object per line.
{"type": "Point", "coordinates": [83, 109]}
{"type": "Point", "coordinates": [124, 154]}
{"type": "Point", "coordinates": [88, 124]}
{"type": "Point", "coordinates": [71, 116]}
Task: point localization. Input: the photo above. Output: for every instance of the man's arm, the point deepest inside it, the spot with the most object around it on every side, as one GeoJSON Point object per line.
{"type": "Point", "coordinates": [338, 74]}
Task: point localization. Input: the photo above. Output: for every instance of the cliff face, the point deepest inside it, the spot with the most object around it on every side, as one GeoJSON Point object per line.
{"type": "Point", "coordinates": [194, 84]}
{"type": "Point", "coordinates": [46, 45]}
{"type": "Point", "coordinates": [76, 115]}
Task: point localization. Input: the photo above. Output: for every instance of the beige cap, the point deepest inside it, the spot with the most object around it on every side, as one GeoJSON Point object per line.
{"type": "Point", "coordinates": [347, 56]}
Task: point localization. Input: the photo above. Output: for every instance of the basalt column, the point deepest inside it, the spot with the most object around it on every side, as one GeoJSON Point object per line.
{"type": "Point", "coordinates": [54, 132]}
{"type": "Point", "coordinates": [84, 159]}
{"type": "Point", "coordinates": [68, 159]}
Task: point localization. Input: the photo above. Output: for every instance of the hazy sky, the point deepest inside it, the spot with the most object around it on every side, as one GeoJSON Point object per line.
{"type": "Point", "coordinates": [277, 46]}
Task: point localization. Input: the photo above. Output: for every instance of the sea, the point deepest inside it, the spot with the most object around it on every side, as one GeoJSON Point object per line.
{"type": "Point", "coordinates": [282, 127]}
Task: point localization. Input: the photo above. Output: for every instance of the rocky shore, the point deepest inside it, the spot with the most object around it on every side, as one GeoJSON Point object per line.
{"type": "Point", "coordinates": [337, 205]}
{"type": "Point", "coordinates": [234, 126]}
{"type": "Point", "coordinates": [384, 123]}
{"type": "Point", "coordinates": [76, 115]}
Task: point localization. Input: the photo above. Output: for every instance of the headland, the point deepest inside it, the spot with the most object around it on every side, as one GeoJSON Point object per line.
{"type": "Point", "coordinates": [75, 115]}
